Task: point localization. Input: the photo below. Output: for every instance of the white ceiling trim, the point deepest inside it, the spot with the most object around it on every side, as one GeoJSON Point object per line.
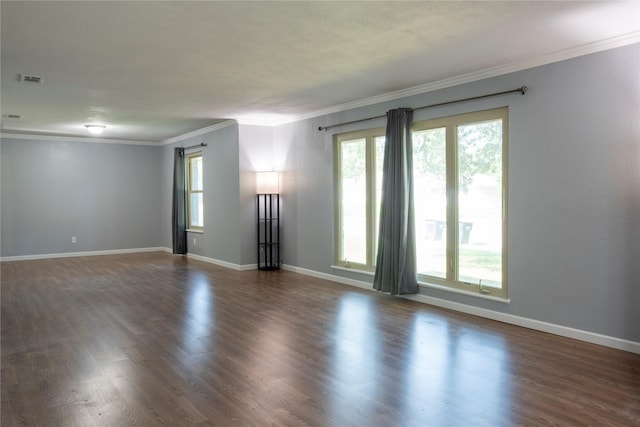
{"type": "Point", "coordinates": [44, 138]}
{"type": "Point", "coordinates": [199, 132]}
{"type": "Point", "coordinates": [275, 122]}
{"type": "Point", "coordinates": [562, 55]}
{"type": "Point", "coordinates": [60, 138]}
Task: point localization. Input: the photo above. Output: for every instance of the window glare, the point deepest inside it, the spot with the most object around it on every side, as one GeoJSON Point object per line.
{"type": "Point", "coordinates": [196, 210]}
{"type": "Point", "coordinates": [430, 199]}
{"type": "Point", "coordinates": [195, 191]}
{"type": "Point", "coordinates": [196, 173]}
{"type": "Point", "coordinates": [480, 203]}
{"type": "Point", "coordinates": [353, 186]}
{"type": "Point", "coordinates": [379, 165]}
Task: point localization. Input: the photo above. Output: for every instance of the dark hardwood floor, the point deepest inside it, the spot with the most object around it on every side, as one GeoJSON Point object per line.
{"type": "Point", "coordinates": [156, 339]}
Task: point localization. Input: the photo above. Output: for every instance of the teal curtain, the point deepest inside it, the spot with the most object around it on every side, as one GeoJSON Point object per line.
{"type": "Point", "coordinates": [179, 212]}
{"type": "Point", "coordinates": [396, 258]}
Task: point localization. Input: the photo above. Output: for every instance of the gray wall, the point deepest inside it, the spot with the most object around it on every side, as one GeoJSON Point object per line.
{"type": "Point", "coordinates": [573, 197]}
{"type": "Point", "coordinates": [106, 195]}
{"type": "Point", "coordinates": [115, 197]}
{"type": "Point", "coordinates": [223, 224]}
{"type": "Point", "coordinates": [255, 154]}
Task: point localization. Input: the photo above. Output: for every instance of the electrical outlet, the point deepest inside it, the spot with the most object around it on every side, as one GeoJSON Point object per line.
{"type": "Point", "coordinates": [74, 240]}
{"type": "Point", "coordinates": [194, 241]}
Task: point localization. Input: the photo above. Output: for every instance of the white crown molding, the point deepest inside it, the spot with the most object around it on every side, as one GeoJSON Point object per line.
{"type": "Point", "coordinates": [199, 132]}
{"type": "Point", "coordinates": [587, 49]}
{"type": "Point", "coordinates": [269, 122]}
{"type": "Point", "coordinates": [43, 137]}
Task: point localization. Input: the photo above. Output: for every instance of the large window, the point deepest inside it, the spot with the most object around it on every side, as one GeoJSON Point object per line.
{"type": "Point", "coordinates": [459, 189]}
{"type": "Point", "coordinates": [195, 192]}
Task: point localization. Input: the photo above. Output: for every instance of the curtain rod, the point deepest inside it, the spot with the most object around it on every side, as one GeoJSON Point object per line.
{"type": "Point", "coordinates": [202, 144]}
{"type": "Point", "coordinates": [522, 90]}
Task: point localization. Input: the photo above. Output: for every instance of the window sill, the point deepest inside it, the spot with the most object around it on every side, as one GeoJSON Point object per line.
{"type": "Point", "coordinates": [353, 270]}
{"type": "Point", "coordinates": [433, 286]}
{"type": "Point", "coordinates": [463, 292]}
{"type": "Point", "coordinates": [191, 230]}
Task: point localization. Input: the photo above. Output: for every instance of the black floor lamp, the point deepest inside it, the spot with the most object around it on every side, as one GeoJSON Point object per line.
{"type": "Point", "coordinates": [268, 211]}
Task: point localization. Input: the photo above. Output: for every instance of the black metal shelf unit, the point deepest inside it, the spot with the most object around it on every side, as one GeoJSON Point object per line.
{"type": "Point", "coordinates": [268, 206]}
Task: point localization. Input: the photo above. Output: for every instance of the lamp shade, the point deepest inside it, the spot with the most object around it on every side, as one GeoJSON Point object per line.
{"type": "Point", "coordinates": [95, 129]}
{"type": "Point", "coordinates": [267, 182]}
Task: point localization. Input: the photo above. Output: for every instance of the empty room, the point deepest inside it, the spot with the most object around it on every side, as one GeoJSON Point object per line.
{"type": "Point", "coordinates": [310, 213]}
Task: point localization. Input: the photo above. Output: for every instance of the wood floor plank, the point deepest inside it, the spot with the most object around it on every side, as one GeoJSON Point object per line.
{"type": "Point", "coordinates": [157, 339]}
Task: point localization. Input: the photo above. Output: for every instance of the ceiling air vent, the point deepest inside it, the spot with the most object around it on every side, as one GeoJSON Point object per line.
{"type": "Point", "coordinates": [12, 116]}
{"type": "Point", "coordinates": [27, 78]}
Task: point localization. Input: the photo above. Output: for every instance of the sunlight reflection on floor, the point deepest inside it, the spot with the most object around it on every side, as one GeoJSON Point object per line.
{"type": "Point", "coordinates": [445, 367]}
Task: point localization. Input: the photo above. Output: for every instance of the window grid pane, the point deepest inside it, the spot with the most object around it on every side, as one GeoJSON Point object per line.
{"type": "Point", "coordinates": [353, 188]}
{"type": "Point", "coordinates": [195, 191]}
{"type": "Point", "coordinates": [379, 153]}
{"type": "Point", "coordinates": [196, 174]}
{"type": "Point", "coordinates": [480, 203]}
{"type": "Point", "coordinates": [430, 199]}
{"type": "Point", "coordinates": [196, 210]}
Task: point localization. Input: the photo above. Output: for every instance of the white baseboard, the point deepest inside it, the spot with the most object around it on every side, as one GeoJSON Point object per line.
{"type": "Point", "coordinates": [564, 331]}
{"type": "Point", "coordinates": [80, 254]}
{"type": "Point", "coordinates": [221, 263]}
{"type": "Point", "coordinates": [127, 251]}
{"type": "Point", "coordinates": [537, 325]}
{"type": "Point", "coordinates": [330, 277]}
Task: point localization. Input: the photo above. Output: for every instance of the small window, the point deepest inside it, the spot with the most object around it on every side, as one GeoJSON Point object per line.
{"type": "Point", "coordinates": [195, 192]}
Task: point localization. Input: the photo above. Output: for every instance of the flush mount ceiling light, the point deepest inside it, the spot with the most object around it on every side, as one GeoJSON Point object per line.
{"type": "Point", "coordinates": [95, 129]}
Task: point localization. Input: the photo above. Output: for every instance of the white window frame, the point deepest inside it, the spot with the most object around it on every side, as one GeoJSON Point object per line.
{"type": "Point", "coordinates": [369, 136]}
{"type": "Point", "coordinates": [191, 191]}
{"type": "Point", "coordinates": [450, 123]}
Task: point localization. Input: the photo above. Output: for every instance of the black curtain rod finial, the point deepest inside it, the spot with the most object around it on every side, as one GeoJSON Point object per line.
{"type": "Point", "coordinates": [202, 144]}
{"type": "Point", "coordinates": [523, 90]}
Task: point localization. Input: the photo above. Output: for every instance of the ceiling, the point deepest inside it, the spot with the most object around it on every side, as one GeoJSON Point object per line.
{"type": "Point", "coordinates": [152, 71]}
